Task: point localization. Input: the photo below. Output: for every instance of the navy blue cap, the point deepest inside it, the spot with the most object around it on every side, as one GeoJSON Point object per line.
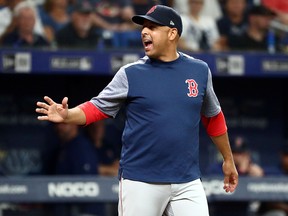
{"type": "Point", "coordinates": [260, 10]}
{"type": "Point", "coordinates": [239, 145]}
{"type": "Point", "coordinates": [83, 7]}
{"type": "Point", "coordinates": [162, 15]}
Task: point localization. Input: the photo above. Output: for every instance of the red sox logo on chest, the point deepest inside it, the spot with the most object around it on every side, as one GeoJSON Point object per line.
{"type": "Point", "coordinates": [192, 87]}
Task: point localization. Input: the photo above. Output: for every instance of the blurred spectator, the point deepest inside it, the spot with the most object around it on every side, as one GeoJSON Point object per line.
{"type": "Point", "coordinates": [211, 8]}
{"type": "Point", "coordinates": [234, 21]}
{"type": "Point", "coordinates": [23, 34]}
{"type": "Point", "coordinates": [200, 32]}
{"type": "Point", "coordinates": [7, 21]}
{"type": "Point", "coordinates": [54, 15]}
{"type": "Point", "coordinates": [280, 23]}
{"type": "Point", "coordinates": [77, 156]}
{"type": "Point", "coordinates": [280, 7]}
{"type": "Point", "coordinates": [108, 153]}
{"type": "Point", "coordinates": [243, 160]}
{"type": "Point", "coordinates": [114, 16]}
{"type": "Point", "coordinates": [256, 36]}
{"type": "Point", "coordinates": [245, 167]}
{"type": "Point", "coordinates": [278, 208]}
{"type": "Point", "coordinates": [80, 31]}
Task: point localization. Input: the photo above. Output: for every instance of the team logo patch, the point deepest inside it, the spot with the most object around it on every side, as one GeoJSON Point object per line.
{"type": "Point", "coordinates": [151, 10]}
{"type": "Point", "coordinates": [192, 87]}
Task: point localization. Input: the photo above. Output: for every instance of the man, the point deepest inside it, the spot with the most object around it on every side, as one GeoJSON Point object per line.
{"type": "Point", "coordinates": [7, 22]}
{"type": "Point", "coordinates": [77, 156]}
{"type": "Point", "coordinates": [234, 21]}
{"type": "Point", "coordinates": [256, 34]}
{"type": "Point", "coordinates": [113, 14]}
{"type": "Point", "coordinates": [23, 34]}
{"type": "Point", "coordinates": [165, 94]}
{"type": "Point", "coordinates": [80, 32]}
{"type": "Point", "coordinates": [200, 32]}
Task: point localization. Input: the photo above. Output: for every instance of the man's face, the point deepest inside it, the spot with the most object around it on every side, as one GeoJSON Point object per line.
{"type": "Point", "coordinates": [26, 20]}
{"type": "Point", "coordinates": [195, 6]}
{"type": "Point", "coordinates": [260, 22]}
{"type": "Point", "coordinates": [235, 7]}
{"type": "Point", "coordinates": [82, 21]}
{"type": "Point", "coordinates": [155, 39]}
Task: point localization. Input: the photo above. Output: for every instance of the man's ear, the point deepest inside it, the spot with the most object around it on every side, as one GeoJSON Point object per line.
{"type": "Point", "coordinates": [173, 33]}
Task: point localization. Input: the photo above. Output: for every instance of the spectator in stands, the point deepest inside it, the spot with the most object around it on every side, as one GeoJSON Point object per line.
{"type": "Point", "coordinates": [77, 154]}
{"type": "Point", "coordinates": [108, 153]}
{"type": "Point", "coordinates": [277, 208]}
{"type": "Point", "coordinates": [8, 22]}
{"type": "Point", "coordinates": [199, 32]}
{"type": "Point", "coordinates": [211, 8]}
{"type": "Point", "coordinates": [54, 15]}
{"type": "Point", "coordinates": [23, 34]}
{"type": "Point", "coordinates": [280, 23]}
{"type": "Point", "coordinates": [108, 146]}
{"type": "Point", "coordinates": [233, 22]}
{"type": "Point", "coordinates": [80, 31]}
{"type": "Point", "coordinates": [256, 36]}
{"type": "Point", "coordinates": [245, 167]}
{"type": "Point", "coordinates": [76, 157]}
{"type": "Point", "coordinates": [114, 16]}
{"type": "Point", "coordinates": [243, 160]}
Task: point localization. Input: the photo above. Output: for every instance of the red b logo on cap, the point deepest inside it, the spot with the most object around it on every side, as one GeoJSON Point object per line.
{"type": "Point", "coordinates": [151, 10]}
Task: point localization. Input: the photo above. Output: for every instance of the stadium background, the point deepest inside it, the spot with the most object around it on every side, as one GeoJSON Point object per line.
{"type": "Point", "coordinates": [255, 105]}
{"type": "Point", "coordinates": [252, 88]}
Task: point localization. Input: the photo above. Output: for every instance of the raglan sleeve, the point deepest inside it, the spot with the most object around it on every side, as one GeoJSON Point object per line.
{"type": "Point", "coordinates": [211, 106]}
{"type": "Point", "coordinates": [111, 98]}
{"type": "Point", "coordinates": [212, 117]}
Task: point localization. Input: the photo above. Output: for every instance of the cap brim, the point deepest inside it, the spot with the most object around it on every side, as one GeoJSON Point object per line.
{"type": "Point", "coordinates": [139, 19]}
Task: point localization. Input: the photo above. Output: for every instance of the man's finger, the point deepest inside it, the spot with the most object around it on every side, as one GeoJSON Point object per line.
{"type": "Point", "coordinates": [41, 110]}
{"type": "Point", "coordinates": [42, 118]}
{"type": "Point", "coordinates": [43, 105]}
{"type": "Point", "coordinates": [65, 102]}
{"type": "Point", "coordinates": [49, 100]}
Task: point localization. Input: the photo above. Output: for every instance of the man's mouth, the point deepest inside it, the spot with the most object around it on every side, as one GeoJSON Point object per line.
{"type": "Point", "coordinates": [147, 43]}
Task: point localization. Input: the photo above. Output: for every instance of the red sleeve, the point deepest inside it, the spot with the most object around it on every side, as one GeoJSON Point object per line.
{"type": "Point", "coordinates": [92, 113]}
{"type": "Point", "coordinates": [216, 125]}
